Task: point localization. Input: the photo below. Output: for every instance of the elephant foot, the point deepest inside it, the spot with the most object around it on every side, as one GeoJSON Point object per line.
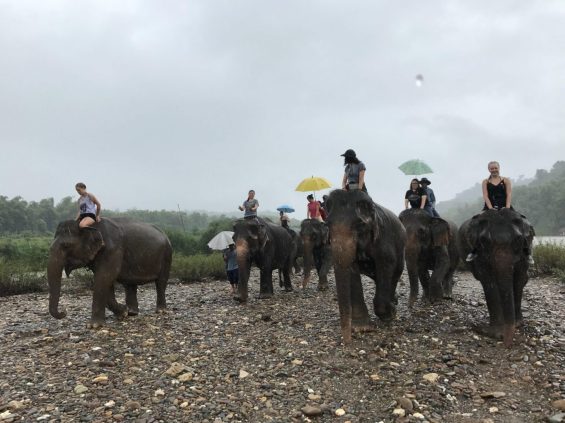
{"type": "Point", "coordinates": [161, 310]}
{"type": "Point", "coordinates": [133, 312]}
{"type": "Point", "coordinates": [412, 300]}
{"type": "Point", "coordinates": [323, 287]}
{"type": "Point", "coordinates": [94, 325]}
{"type": "Point", "coordinates": [264, 295]}
{"type": "Point", "coordinates": [239, 299]}
{"type": "Point", "coordinates": [288, 289]}
{"type": "Point", "coordinates": [361, 328]}
{"type": "Point", "coordinates": [494, 332]}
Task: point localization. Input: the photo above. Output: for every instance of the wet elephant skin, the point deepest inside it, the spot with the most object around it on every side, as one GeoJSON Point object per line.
{"type": "Point", "coordinates": [366, 239]}
{"type": "Point", "coordinates": [501, 240]}
{"type": "Point", "coordinates": [431, 244]}
{"type": "Point", "coordinates": [116, 250]}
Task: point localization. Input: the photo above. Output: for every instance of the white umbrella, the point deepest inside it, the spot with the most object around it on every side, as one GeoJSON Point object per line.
{"type": "Point", "coordinates": [221, 241]}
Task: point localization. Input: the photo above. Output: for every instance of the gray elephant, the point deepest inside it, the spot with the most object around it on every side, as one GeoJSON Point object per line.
{"type": "Point", "coordinates": [315, 237]}
{"type": "Point", "coordinates": [116, 250]}
{"type": "Point", "coordinates": [367, 239]}
{"type": "Point", "coordinates": [431, 245]}
{"type": "Point", "coordinates": [502, 241]}
{"type": "Point", "coordinates": [259, 241]}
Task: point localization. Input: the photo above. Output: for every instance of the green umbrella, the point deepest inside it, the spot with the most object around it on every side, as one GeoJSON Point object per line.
{"type": "Point", "coordinates": [415, 167]}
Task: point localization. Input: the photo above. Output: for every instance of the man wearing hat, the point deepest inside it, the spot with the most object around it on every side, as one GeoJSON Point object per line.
{"type": "Point", "coordinates": [430, 206]}
{"type": "Point", "coordinates": [354, 176]}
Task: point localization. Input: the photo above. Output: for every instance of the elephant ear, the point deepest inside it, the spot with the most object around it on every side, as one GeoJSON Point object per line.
{"type": "Point", "coordinates": [325, 232]}
{"type": "Point", "coordinates": [366, 211]}
{"type": "Point", "coordinates": [92, 242]}
{"type": "Point", "coordinates": [263, 235]}
{"type": "Point", "coordinates": [440, 232]}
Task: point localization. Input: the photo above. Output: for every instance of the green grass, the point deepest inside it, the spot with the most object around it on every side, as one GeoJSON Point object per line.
{"type": "Point", "coordinates": [550, 259]}
{"type": "Point", "coordinates": [198, 267]}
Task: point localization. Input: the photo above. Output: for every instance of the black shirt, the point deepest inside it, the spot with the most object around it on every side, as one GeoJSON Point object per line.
{"type": "Point", "coordinates": [415, 197]}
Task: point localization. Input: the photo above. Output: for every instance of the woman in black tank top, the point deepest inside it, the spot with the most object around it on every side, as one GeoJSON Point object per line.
{"type": "Point", "coordinates": [497, 190]}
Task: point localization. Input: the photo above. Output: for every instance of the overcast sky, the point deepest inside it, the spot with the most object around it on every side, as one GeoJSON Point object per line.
{"type": "Point", "coordinates": [159, 103]}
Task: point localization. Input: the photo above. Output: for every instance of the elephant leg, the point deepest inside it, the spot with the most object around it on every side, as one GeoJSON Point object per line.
{"type": "Point", "coordinates": [287, 281]}
{"type": "Point", "coordinates": [382, 303]}
{"type": "Point", "coordinates": [101, 296]}
{"type": "Point", "coordinates": [161, 286]}
{"type": "Point", "coordinates": [281, 284]}
{"type": "Point", "coordinates": [266, 282]}
{"type": "Point", "coordinates": [360, 320]}
{"type": "Point", "coordinates": [323, 275]}
{"type": "Point", "coordinates": [440, 270]}
{"type": "Point", "coordinates": [131, 300]}
{"type": "Point", "coordinates": [424, 277]}
{"type": "Point", "coordinates": [448, 285]}
{"type": "Point", "coordinates": [414, 286]}
{"type": "Point", "coordinates": [520, 280]}
{"type": "Point", "coordinates": [118, 309]}
{"type": "Point", "coordinates": [494, 308]}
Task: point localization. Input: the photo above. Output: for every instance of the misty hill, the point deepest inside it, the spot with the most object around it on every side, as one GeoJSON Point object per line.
{"type": "Point", "coordinates": [541, 199]}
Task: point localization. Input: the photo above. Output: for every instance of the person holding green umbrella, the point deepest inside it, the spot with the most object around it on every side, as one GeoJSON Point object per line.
{"type": "Point", "coordinates": [354, 175]}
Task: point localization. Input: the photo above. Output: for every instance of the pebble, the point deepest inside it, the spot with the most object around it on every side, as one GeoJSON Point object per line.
{"type": "Point", "coordinates": [557, 418]}
{"type": "Point", "coordinates": [406, 404]}
{"type": "Point", "coordinates": [399, 412]}
{"type": "Point", "coordinates": [494, 394]}
{"type": "Point", "coordinates": [243, 374]}
{"type": "Point", "coordinates": [431, 377]}
{"type": "Point", "coordinates": [339, 412]}
{"type": "Point", "coordinates": [133, 405]}
{"type": "Point", "coordinates": [559, 404]}
{"type": "Point", "coordinates": [80, 389]}
{"type": "Point", "coordinates": [311, 411]}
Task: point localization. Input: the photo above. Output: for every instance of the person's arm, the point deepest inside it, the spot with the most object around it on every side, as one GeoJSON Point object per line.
{"type": "Point", "coordinates": [254, 208]}
{"type": "Point", "coordinates": [406, 203]}
{"type": "Point", "coordinates": [98, 206]}
{"type": "Point", "coordinates": [508, 186]}
{"type": "Point", "coordinates": [344, 181]}
{"type": "Point", "coordinates": [361, 179]}
{"type": "Point", "coordinates": [423, 201]}
{"type": "Point", "coordinates": [308, 212]}
{"type": "Point", "coordinates": [485, 195]}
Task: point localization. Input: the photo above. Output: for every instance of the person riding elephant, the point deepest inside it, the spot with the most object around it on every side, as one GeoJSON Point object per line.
{"type": "Point", "coordinates": [501, 239]}
{"type": "Point", "coordinates": [367, 239]}
{"type": "Point", "coordinates": [315, 237]}
{"type": "Point", "coordinates": [122, 250]}
{"type": "Point", "coordinates": [267, 245]}
{"type": "Point", "coordinates": [430, 245]}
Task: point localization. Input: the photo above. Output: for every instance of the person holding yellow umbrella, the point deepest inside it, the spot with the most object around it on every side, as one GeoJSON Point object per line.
{"type": "Point", "coordinates": [354, 175]}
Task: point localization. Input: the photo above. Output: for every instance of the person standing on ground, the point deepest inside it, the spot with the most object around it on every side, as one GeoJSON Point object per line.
{"type": "Point", "coordinates": [354, 175]}
{"type": "Point", "coordinates": [88, 207]}
{"type": "Point", "coordinates": [430, 206]}
{"type": "Point", "coordinates": [232, 269]}
{"type": "Point", "coordinates": [249, 206]}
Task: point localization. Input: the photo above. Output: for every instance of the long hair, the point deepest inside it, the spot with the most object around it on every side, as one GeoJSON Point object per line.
{"type": "Point", "coordinates": [350, 160]}
{"type": "Point", "coordinates": [414, 180]}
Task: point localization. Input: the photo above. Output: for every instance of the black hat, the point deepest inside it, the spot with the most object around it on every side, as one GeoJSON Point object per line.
{"type": "Point", "coordinates": [349, 154]}
{"type": "Point", "coordinates": [425, 181]}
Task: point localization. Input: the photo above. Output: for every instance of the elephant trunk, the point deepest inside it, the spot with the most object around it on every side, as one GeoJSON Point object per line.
{"type": "Point", "coordinates": [244, 264]}
{"type": "Point", "coordinates": [308, 255]}
{"type": "Point", "coordinates": [412, 255]}
{"type": "Point", "coordinates": [343, 253]}
{"type": "Point", "coordinates": [54, 273]}
{"type": "Point", "coordinates": [505, 278]}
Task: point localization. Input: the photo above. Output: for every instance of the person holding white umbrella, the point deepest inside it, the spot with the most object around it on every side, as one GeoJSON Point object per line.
{"type": "Point", "coordinates": [232, 270]}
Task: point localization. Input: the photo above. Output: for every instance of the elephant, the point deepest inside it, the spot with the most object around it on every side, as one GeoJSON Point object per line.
{"type": "Point", "coordinates": [367, 239]}
{"type": "Point", "coordinates": [315, 237]}
{"type": "Point", "coordinates": [431, 244]}
{"type": "Point", "coordinates": [501, 240]}
{"type": "Point", "coordinates": [267, 245]}
{"type": "Point", "coordinates": [296, 251]}
{"type": "Point", "coordinates": [116, 250]}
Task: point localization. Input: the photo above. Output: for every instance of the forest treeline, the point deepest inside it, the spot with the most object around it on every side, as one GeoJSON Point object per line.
{"type": "Point", "coordinates": [542, 201]}
{"type": "Point", "coordinates": [18, 216]}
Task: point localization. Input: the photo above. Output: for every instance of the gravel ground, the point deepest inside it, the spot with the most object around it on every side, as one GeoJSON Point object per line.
{"type": "Point", "coordinates": [212, 360]}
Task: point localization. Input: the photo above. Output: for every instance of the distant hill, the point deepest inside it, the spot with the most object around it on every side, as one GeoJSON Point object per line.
{"type": "Point", "coordinates": [541, 199]}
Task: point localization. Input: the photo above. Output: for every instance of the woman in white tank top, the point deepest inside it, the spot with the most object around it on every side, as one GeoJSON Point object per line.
{"type": "Point", "coordinates": [88, 207]}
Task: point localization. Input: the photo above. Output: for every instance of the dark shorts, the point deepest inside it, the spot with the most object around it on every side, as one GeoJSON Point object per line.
{"type": "Point", "coordinates": [233, 276]}
{"type": "Point", "coordinates": [91, 215]}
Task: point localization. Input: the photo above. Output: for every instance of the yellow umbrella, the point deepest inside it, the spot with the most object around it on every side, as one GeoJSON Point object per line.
{"type": "Point", "coordinates": [314, 183]}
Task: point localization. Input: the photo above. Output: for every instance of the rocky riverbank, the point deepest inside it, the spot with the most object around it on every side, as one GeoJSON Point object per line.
{"type": "Point", "coordinates": [280, 360]}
